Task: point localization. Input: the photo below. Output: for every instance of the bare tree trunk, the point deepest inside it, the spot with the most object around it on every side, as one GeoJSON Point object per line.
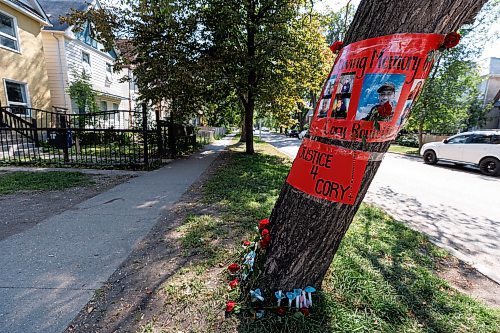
{"type": "Point", "coordinates": [307, 231]}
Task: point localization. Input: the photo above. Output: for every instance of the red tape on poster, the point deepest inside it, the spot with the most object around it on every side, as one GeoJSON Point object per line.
{"type": "Point", "coordinates": [367, 98]}
{"type": "Point", "coordinates": [328, 172]}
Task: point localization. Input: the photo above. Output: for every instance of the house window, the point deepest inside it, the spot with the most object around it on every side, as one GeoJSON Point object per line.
{"type": "Point", "coordinates": [86, 58]}
{"type": "Point", "coordinates": [8, 32]}
{"type": "Point", "coordinates": [109, 68]}
{"type": "Point", "coordinates": [115, 106]}
{"type": "Point", "coordinates": [104, 106]}
{"type": "Point", "coordinates": [17, 96]}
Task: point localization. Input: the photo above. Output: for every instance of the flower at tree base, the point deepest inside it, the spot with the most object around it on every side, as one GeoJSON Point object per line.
{"type": "Point", "coordinates": [451, 40]}
{"type": "Point", "coordinates": [305, 312]}
{"type": "Point", "coordinates": [281, 310]}
{"type": "Point", "coordinates": [264, 232]}
{"type": "Point", "coordinates": [233, 284]}
{"type": "Point", "coordinates": [233, 268]}
{"type": "Point", "coordinates": [264, 223]}
{"type": "Point", "coordinates": [385, 110]}
{"type": "Point", "coordinates": [230, 305]}
{"type": "Point", "coordinates": [246, 243]}
{"type": "Point", "coordinates": [264, 242]}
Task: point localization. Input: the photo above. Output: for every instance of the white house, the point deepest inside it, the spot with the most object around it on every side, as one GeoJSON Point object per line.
{"type": "Point", "coordinates": [490, 87]}
{"type": "Point", "coordinates": [67, 52]}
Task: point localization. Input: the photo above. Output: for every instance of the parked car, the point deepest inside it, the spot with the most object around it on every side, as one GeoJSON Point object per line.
{"type": "Point", "coordinates": [301, 134]}
{"type": "Point", "coordinates": [478, 148]}
{"type": "Point", "coordinates": [293, 133]}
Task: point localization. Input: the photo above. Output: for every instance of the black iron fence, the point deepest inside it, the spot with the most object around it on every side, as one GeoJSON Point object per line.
{"type": "Point", "coordinates": [117, 138]}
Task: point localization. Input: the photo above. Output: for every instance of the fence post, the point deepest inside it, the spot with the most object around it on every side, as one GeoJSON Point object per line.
{"type": "Point", "coordinates": [35, 132]}
{"type": "Point", "coordinates": [145, 133]}
{"type": "Point", "coordinates": [64, 133]}
{"type": "Point", "coordinates": [158, 134]}
{"type": "Point", "coordinates": [171, 136]}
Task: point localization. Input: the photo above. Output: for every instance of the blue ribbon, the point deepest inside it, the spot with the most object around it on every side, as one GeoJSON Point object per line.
{"type": "Point", "coordinates": [256, 294]}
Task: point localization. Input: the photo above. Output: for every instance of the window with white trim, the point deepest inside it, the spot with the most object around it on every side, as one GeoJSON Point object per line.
{"type": "Point", "coordinates": [17, 97]}
{"type": "Point", "coordinates": [86, 63]}
{"type": "Point", "coordinates": [103, 106]}
{"type": "Point", "coordinates": [8, 32]}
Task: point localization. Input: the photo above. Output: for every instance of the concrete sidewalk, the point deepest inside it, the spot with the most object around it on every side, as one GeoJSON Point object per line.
{"type": "Point", "coordinates": [49, 272]}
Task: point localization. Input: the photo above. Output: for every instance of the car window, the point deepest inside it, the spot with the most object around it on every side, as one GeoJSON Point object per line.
{"type": "Point", "coordinates": [459, 139]}
{"type": "Point", "coordinates": [495, 139]}
{"type": "Point", "coordinates": [481, 138]}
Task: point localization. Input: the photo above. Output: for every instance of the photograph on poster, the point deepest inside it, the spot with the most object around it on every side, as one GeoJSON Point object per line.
{"type": "Point", "coordinates": [415, 90]}
{"type": "Point", "coordinates": [329, 87]}
{"type": "Point", "coordinates": [343, 96]}
{"type": "Point", "coordinates": [406, 110]}
{"type": "Point", "coordinates": [323, 107]}
{"type": "Point", "coordinates": [380, 92]}
{"type": "Point", "coordinates": [340, 106]}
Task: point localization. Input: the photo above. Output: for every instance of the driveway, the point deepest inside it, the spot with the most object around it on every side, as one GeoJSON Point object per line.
{"type": "Point", "coordinates": [458, 208]}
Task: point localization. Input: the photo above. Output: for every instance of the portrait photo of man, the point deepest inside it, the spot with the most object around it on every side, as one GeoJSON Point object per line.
{"type": "Point", "coordinates": [385, 107]}
{"type": "Point", "coordinates": [379, 96]}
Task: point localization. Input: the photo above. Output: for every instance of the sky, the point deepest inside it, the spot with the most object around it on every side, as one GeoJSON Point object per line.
{"type": "Point", "coordinates": [492, 50]}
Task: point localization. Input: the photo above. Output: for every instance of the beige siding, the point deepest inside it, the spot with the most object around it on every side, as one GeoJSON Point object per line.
{"type": "Point", "coordinates": [55, 58]}
{"type": "Point", "coordinates": [28, 65]}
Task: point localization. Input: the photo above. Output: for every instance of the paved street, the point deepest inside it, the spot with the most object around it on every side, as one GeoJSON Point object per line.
{"type": "Point", "coordinates": [458, 208]}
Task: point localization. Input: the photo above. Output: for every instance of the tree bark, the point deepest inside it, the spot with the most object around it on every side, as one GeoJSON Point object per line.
{"type": "Point", "coordinates": [251, 76]}
{"type": "Point", "coordinates": [307, 231]}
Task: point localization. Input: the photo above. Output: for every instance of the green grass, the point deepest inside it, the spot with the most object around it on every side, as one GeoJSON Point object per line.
{"type": "Point", "coordinates": [42, 181]}
{"type": "Point", "coordinates": [403, 150]}
{"type": "Point", "coordinates": [381, 280]}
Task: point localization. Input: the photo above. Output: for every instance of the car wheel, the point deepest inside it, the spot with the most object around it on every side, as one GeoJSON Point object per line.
{"type": "Point", "coordinates": [490, 166]}
{"type": "Point", "coordinates": [430, 157]}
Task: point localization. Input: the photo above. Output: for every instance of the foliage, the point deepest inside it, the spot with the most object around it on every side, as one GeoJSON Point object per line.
{"type": "Point", "coordinates": [451, 100]}
{"type": "Point", "coordinates": [42, 181]}
{"type": "Point", "coordinates": [337, 23]}
{"type": "Point", "coordinates": [80, 90]}
{"type": "Point", "coordinates": [215, 55]}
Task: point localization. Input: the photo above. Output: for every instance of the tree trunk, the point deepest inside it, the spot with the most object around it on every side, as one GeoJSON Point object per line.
{"type": "Point", "coordinates": [251, 76]}
{"type": "Point", "coordinates": [307, 231]}
{"type": "Point", "coordinates": [243, 136]}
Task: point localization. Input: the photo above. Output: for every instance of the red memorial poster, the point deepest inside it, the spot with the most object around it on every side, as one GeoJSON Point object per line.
{"type": "Point", "coordinates": [366, 98]}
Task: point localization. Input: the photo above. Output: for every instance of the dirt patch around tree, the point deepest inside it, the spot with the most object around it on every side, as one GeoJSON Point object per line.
{"type": "Point", "coordinates": [23, 210]}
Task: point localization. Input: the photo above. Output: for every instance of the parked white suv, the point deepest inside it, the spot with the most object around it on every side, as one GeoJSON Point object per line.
{"type": "Point", "coordinates": [478, 148]}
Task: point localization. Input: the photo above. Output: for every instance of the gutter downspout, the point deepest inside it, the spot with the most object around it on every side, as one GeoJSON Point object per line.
{"type": "Point", "coordinates": [61, 68]}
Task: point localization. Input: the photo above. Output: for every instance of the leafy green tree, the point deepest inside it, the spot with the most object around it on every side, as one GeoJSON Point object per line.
{"type": "Point", "coordinates": [337, 22]}
{"type": "Point", "coordinates": [451, 99]}
{"type": "Point", "coordinates": [80, 90]}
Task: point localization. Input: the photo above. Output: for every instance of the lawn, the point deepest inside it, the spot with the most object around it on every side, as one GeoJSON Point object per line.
{"type": "Point", "coordinates": [403, 150]}
{"type": "Point", "coordinates": [382, 279]}
{"type": "Point", "coordinates": [41, 181]}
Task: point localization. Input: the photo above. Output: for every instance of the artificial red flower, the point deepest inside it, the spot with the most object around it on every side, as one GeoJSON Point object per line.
{"type": "Point", "coordinates": [385, 110]}
{"type": "Point", "coordinates": [230, 306]}
{"type": "Point", "coordinates": [336, 46]}
{"type": "Point", "coordinates": [233, 284]}
{"type": "Point", "coordinates": [281, 310]}
{"type": "Point", "coordinates": [263, 223]}
{"type": "Point", "coordinates": [264, 242]}
{"type": "Point", "coordinates": [264, 232]}
{"type": "Point", "coordinates": [233, 268]}
{"type": "Point", "coordinates": [450, 40]}
{"type": "Point", "coordinates": [305, 311]}
{"type": "Point", "coordinates": [246, 243]}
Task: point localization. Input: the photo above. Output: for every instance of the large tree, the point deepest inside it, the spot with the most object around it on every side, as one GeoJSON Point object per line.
{"type": "Point", "coordinates": [307, 231]}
